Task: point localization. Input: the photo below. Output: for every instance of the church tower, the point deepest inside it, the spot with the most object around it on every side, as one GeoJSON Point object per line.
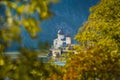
{"type": "Point", "coordinates": [60, 35]}
{"type": "Point", "coordinates": [68, 39]}
{"type": "Point", "coordinates": [58, 42]}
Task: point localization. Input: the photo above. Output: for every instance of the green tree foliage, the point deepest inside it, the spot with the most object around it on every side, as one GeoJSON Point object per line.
{"type": "Point", "coordinates": [98, 49]}
{"type": "Point", "coordinates": [99, 45]}
{"type": "Point", "coordinates": [28, 67]}
{"type": "Point", "coordinates": [44, 45]}
{"type": "Point", "coordinates": [22, 13]}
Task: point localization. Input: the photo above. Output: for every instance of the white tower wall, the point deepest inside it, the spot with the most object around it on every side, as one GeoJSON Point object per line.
{"type": "Point", "coordinates": [60, 36]}
{"type": "Point", "coordinates": [68, 40]}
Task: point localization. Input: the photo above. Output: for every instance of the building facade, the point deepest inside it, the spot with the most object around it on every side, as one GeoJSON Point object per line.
{"type": "Point", "coordinates": [61, 40]}
{"type": "Point", "coordinates": [60, 44]}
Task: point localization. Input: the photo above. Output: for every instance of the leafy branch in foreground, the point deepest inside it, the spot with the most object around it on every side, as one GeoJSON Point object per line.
{"type": "Point", "coordinates": [99, 45]}
{"type": "Point", "coordinates": [17, 14]}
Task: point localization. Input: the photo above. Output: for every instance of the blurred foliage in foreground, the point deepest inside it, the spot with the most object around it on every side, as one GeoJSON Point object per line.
{"type": "Point", "coordinates": [98, 51]}
{"type": "Point", "coordinates": [14, 15]}
{"type": "Point", "coordinates": [21, 13]}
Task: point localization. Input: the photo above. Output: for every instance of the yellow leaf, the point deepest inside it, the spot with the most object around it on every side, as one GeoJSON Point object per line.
{"type": "Point", "coordinates": [1, 62]}
{"type": "Point", "coordinates": [20, 9]}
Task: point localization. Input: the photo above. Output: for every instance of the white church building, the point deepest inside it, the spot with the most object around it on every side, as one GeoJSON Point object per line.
{"type": "Point", "coordinates": [61, 40]}
{"type": "Point", "coordinates": [60, 44]}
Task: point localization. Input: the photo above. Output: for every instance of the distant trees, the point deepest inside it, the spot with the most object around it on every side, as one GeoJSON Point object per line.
{"type": "Point", "coordinates": [99, 45]}
{"type": "Point", "coordinates": [44, 45]}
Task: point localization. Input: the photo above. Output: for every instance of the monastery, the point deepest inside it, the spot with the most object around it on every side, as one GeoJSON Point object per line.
{"type": "Point", "coordinates": [61, 44]}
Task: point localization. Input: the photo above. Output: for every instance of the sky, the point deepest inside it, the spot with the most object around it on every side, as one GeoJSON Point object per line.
{"type": "Point", "coordinates": [69, 16]}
